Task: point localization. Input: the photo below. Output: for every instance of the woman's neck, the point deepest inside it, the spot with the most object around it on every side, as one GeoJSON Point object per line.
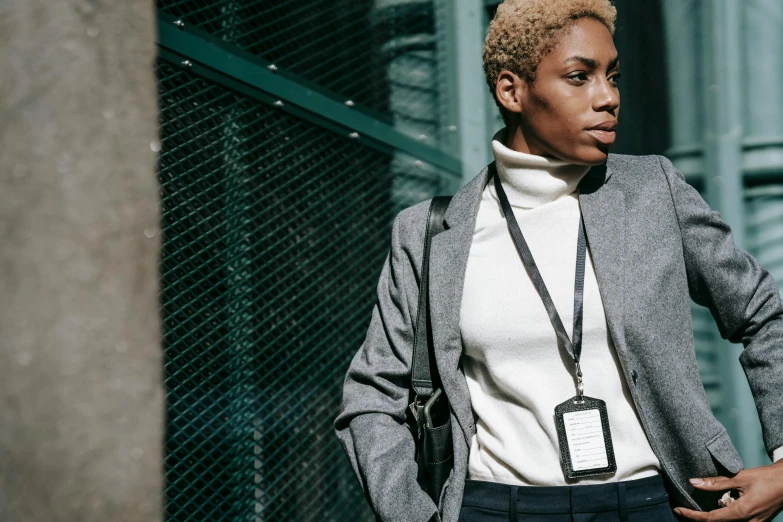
{"type": "Point", "coordinates": [530, 180]}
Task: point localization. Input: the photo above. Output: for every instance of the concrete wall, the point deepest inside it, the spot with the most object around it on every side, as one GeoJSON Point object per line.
{"type": "Point", "coordinates": [81, 395]}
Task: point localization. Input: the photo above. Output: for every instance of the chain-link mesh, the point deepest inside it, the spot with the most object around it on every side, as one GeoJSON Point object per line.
{"type": "Point", "coordinates": [274, 235]}
{"type": "Point", "coordinates": [275, 231]}
{"type": "Point", "coordinates": [386, 56]}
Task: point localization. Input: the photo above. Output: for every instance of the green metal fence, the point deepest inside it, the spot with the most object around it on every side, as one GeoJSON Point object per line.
{"type": "Point", "coordinates": [278, 199]}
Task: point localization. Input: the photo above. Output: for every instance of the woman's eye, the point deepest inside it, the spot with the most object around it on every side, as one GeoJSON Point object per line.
{"type": "Point", "coordinates": [580, 77]}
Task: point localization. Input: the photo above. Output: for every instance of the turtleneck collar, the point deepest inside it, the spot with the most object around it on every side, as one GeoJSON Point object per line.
{"type": "Point", "coordinates": [531, 180]}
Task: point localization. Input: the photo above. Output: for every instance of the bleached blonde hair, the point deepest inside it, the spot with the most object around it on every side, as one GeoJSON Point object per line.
{"type": "Point", "coordinates": [523, 31]}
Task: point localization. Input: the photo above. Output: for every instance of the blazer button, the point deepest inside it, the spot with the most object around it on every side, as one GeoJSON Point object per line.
{"type": "Point", "coordinates": [634, 376]}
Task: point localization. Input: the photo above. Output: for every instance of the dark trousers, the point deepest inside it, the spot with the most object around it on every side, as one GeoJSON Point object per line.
{"type": "Point", "coordinates": [640, 500]}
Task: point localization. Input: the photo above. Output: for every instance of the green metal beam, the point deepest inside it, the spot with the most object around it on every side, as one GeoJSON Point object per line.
{"type": "Point", "coordinates": [250, 75]}
{"type": "Point", "coordinates": [448, 66]}
{"type": "Point", "coordinates": [475, 138]}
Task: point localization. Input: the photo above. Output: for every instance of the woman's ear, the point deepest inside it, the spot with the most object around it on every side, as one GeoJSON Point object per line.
{"type": "Point", "coordinates": [509, 91]}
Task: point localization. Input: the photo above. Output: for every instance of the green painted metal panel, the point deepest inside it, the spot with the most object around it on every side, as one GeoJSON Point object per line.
{"type": "Point", "coordinates": [762, 67]}
{"type": "Point", "coordinates": [447, 64]}
{"type": "Point", "coordinates": [765, 227]}
{"type": "Point", "coordinates": [683, 37]}
{"type": "Point", "coordinates": [474, 98]}
{"type": "Point", "coordinates": [762, 72]}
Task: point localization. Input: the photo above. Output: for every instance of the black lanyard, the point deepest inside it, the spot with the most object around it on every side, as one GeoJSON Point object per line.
{"type": "Point", "coordinates": [574, 349]}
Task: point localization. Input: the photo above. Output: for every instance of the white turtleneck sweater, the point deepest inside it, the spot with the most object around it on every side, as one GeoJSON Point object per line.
{"type": "Point", "coordinates": [516, 371]}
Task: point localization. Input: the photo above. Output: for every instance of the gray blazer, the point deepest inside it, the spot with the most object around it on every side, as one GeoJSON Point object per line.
{"type": "Point", "coordinates": [655, 244]}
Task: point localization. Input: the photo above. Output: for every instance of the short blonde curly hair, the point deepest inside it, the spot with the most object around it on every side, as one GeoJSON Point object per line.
{"type": "Point", "coordinates": [523, 31]}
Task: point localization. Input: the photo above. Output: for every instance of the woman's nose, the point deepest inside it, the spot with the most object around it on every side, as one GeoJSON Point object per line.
{"type": "Point", "coordinates": [607, 97]}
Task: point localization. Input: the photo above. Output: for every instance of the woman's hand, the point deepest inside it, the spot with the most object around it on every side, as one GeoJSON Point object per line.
{"type": "Point", "coordinates": [760, 491]}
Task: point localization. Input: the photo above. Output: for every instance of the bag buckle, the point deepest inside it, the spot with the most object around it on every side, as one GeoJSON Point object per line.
{"type": "Point", "coordinates": [414, 407]}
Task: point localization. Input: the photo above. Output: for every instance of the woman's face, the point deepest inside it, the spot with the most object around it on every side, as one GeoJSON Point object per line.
{"type": "Point", "coordinates": [575, 90]}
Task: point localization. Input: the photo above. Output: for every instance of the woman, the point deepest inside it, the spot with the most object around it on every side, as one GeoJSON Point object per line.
{"type": "Point", "coordinates": [620, 248]}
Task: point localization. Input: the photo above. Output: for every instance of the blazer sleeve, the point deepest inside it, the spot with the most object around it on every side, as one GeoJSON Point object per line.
{"type": "Point", "coordinates": [371, 424]}
{"type": "Point", "coordinates": [742, 297]}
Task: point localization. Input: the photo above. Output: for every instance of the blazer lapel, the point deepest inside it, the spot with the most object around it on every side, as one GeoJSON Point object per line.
{"type": "Point", "coordinates": [448, 259]}
{"type": "Point", "coordinates": [603, 211]}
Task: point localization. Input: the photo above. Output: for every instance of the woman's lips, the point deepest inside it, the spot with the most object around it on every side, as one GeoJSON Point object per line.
{"type": "Point", "coordinates": [605, 137]}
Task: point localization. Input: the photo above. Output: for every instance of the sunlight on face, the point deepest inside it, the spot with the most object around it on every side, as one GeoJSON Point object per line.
{"type": "Point", "coordinates": [575, 89]}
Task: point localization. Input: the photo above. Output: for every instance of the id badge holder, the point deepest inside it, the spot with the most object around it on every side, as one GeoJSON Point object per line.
{"type": "Point", "coordinates": [584, 436]}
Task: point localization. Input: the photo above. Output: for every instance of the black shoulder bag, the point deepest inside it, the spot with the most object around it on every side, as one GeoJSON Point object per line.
{"type": "Point", "coordinates": [429, 414]}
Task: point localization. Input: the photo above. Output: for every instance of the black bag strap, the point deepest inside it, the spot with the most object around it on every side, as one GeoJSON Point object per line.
{"type": "Point", "coordinates": [423, 353]}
